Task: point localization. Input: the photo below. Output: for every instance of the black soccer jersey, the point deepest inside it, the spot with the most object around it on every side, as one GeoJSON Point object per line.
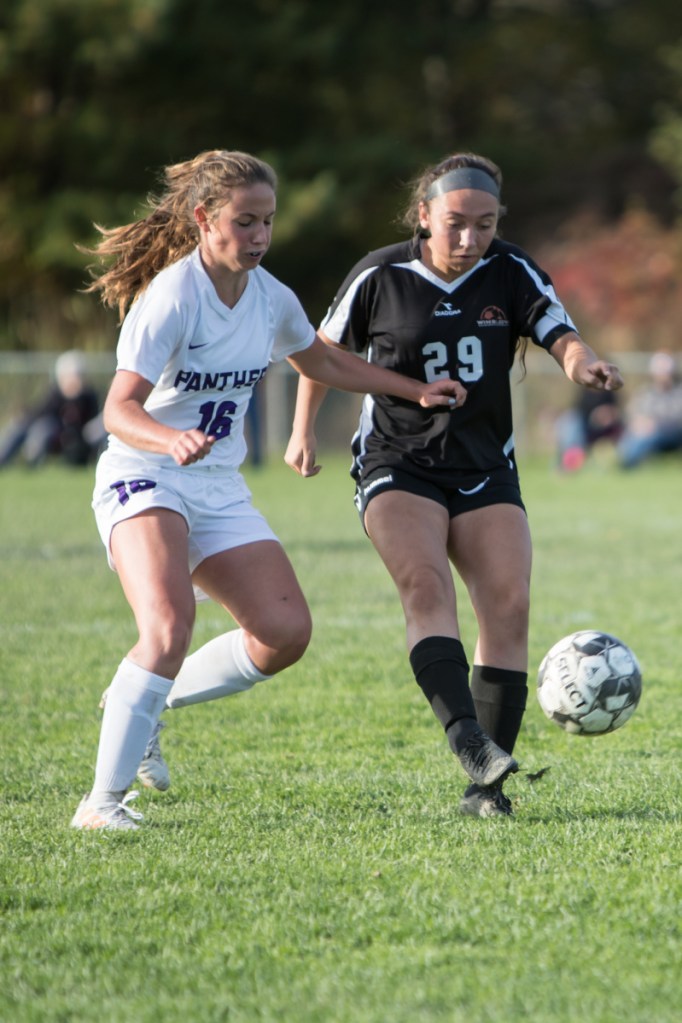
{"type": "Point", "coordinates": [392, 307]}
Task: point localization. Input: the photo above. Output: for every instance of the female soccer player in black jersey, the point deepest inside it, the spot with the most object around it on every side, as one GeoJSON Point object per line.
{"type": "Point", "coordinates": [454, 301]}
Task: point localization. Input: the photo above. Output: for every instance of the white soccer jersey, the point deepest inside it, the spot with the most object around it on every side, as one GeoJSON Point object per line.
{"type": "Point", "coordinates": [204, 358]}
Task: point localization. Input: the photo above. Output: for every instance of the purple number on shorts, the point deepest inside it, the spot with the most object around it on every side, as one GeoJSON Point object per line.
{"type": "Point", "coordinates": [125, 488]}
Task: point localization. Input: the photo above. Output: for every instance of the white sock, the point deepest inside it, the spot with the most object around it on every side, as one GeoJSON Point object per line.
{"type": "Point", "coordinates": [134, 702]}
{"type": "Point", "coordinates": [219, 668]}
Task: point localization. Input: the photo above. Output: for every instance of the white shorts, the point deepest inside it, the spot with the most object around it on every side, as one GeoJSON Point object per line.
{"type": "Point", "coordinates": [214, 502]}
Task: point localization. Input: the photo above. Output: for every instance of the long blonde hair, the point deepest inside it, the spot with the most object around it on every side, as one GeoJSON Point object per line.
{"type": "Point", "coordinates": [169, 232]}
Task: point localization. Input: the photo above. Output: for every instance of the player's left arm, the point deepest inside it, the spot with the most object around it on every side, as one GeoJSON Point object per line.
{"type": "Point", "coordinates": [330, 364]}
{"type": "Point", "coordinates": [583, 366]}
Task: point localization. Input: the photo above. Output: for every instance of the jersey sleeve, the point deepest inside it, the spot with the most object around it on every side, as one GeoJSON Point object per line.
{"type": "Point", "coordinates": [349, 318]}
{"type": "Point", "coordinates": [152, 330]}
{"type": "Point", "coordinates": [548, 321]}
{"type": "Point", "coordinates": [541, 313]}
{"type": "Point", "coordinates": [347, 321]}
{"type": "Point", "coordinates": [293, 330]}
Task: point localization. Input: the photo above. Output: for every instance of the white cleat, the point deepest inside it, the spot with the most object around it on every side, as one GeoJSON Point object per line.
{"type": "Point", "coordinates": [111, 816]}
{"type": "Point", "coordinates": [153, 770]}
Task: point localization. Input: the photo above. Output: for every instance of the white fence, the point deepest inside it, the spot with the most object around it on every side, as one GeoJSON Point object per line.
{"type": "Point", "coordinates": [538, 397]}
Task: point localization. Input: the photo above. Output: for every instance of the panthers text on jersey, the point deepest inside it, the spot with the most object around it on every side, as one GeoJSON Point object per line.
{"type": "Point", "coordinates": [205, 358]}
{"type": "Point", "coordinates": [392, 307]}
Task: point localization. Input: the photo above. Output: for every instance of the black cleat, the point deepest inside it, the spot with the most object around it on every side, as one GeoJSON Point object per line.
{"type": "Point", "coordinates": [485, 801]}
{"type": "Point", "coordinates": [483, 760]}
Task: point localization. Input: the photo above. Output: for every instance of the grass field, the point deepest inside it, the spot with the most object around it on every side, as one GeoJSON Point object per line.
{"type": "Point", "coordinates": [308, 864]}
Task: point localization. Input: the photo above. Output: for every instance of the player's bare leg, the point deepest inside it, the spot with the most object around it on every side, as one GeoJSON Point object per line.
{"type": "Point", "coordinates": [150, 554]}
{"type": "Point", "coordinates": [257, 585]}
{"type": "Point", "coordinates": [410, 534]}
{"type": "Point", "coordinates": [491, 550]}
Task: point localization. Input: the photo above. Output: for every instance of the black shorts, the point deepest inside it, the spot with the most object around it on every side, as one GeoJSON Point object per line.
{"type": "Point", "coordinates": [499, 486]}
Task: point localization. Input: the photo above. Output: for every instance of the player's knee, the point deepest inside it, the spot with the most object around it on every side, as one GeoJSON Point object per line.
{"type": "Point", "coordinates": [503, 607]}
{"type": "Point", "coordinates": [423, 589]}
{"type": "Point", "coordinates": [298, 638]}
{"type": "Point", "coordinates": [289, 640]}
{"type": "Point", "coordinates": [166, 640]}
{"type": "Point", "coordinates": [514, 606]}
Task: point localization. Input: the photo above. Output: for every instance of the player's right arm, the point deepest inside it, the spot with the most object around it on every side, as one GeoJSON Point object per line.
{"type": "Point", "coordinates": [301, 450]}
{"type": "Point", "coordinates": [126, 417]}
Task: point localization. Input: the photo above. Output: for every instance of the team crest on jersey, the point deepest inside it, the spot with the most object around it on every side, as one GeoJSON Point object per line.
{"type": "Point", "coordinates": [447, 309]}
{"type": "Point", "coordinates": [493, 316]}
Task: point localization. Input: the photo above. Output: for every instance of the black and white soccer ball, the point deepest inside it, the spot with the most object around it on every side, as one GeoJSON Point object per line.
{"type": "Point", "coordinates": [589, 683]}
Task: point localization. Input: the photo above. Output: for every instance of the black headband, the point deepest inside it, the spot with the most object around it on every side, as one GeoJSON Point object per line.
{"type": "Point", "coordinates": [464, 177]}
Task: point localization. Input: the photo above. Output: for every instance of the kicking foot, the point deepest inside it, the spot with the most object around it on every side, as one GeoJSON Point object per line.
{"type": "Point", "coordinates": [483, 760]}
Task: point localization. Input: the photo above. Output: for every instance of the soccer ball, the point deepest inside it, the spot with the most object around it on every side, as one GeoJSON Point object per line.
{"type": "Point", "coordinates": [589, 683]}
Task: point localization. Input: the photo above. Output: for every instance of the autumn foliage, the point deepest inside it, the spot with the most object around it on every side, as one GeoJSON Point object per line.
{"type": "Point", "coordinates": [622, 282]}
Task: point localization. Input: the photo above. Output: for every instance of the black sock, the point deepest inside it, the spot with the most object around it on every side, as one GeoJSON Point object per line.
{"type": "Point", "coordinates": [441, 669]}
{"type": "Point", "coordinates": [500, 700]}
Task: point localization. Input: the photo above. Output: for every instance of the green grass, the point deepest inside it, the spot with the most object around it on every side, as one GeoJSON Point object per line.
{"type": "Point", "coordinates": [308, 864]}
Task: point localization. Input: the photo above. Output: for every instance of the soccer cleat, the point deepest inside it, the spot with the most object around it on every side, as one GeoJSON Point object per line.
{"type": "Point", "coordinates": [483, 760]}
{"type": "Point", "coordinates": [153, 770]}
{"type": "Point", "coordinates": [112, 816]}
{"type": "Point", "coordinates": [485, 801]}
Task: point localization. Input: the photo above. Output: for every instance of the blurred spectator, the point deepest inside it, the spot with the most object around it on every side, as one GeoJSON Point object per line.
{"type": "Point", "coordinates": [595, 417]}
{"type": "Point", "coordinates": [653, 422]}
{"type": "Point", "coordinates": [66, 423]}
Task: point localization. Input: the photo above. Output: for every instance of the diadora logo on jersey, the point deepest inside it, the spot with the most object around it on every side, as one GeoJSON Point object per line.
{"type": "Point", "coordinates": [493, 316]}
{"type": "Point", "coordinates": [447, 309]}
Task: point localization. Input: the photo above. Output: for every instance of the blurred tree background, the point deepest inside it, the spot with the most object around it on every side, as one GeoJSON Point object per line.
{"type": "Point", "coordinates": [579, 101]}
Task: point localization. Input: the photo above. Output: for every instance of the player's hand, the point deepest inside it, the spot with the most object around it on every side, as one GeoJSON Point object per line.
{"type": "Point", "coordinates": [300, 455]}
{"type": "Point", "coordinates": [600, 376]}
{"type": "Point", "coordinates": [446, 392]}
{"type": "Point", "coordinates": [190, 446]}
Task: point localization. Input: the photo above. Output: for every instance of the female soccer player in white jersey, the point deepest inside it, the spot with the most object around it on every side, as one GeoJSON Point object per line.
{"type": "Point", "coordinates": [173, 511]}
{"type": "Point", "coordinates": [454, 301]}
